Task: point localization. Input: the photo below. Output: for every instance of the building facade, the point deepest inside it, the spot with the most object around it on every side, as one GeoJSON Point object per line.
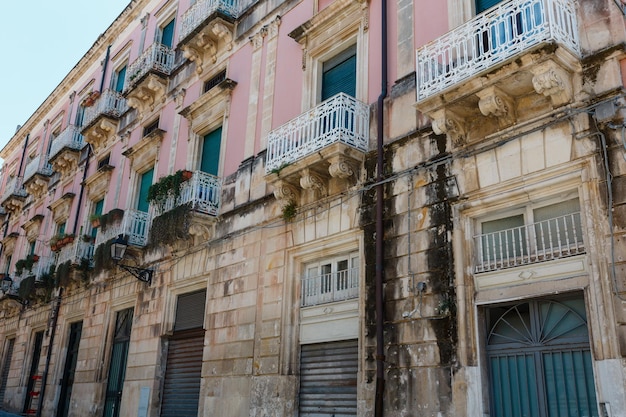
{"type": "Point", "coordinates": [329, 208]}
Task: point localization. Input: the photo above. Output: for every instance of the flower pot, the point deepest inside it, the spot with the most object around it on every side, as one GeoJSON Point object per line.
{"type": "Point", "coordinates": [95, 223]}
{"type": "Point", "coordinates": [187, 175]}
{"type": "Point", "coordinates": [35, 258]}
{"type": "Point", "coordinates": [54, 247]}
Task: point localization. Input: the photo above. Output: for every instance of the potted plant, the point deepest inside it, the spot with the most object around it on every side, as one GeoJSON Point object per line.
{"type": "Point", "coordinates": [33, 257]}
{"type": "Point", "coordinates": [116, 214]}
{"type": "Point", "coordinates": [87, 238]}
{"type": "Point", "coordinates": [91, 98]}
{"type": "Point", "coordinates": [55, 242]}
{"type": "Point", "coordinates": [168, 186]}
{"type": "Point", "coordinates": [186, 174]}
{"type": "Point", "coordinates": [19, 266]}
{"type": "Point", "coordinates": [95, 220]}
{"type": "Point", "coordinates": [67, 239]}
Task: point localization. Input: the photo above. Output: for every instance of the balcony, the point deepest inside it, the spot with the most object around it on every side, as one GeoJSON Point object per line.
{"type": "Point", "coordinates": [146, 78]}
{"type": "Point", "coordinates": [331, 287]}
{"type": "Point", "coordinates": [76, 252]}
{"type": "Point", "coordinates": [492, 62]}
{"type": "Point", "coordinates": [328, 141]}
{"type": "Point", "coordinates": [65, 149]}
{"type": "Point", "coordinates": [100, 120]}
{"type": "Point", "coordinates": [206, 28]}
{"type": "Point", "coordinates": [202, 192]}
{"type": "Point", "coordinates": [134, 225]}
{"type": "Point", "coordinates": [36, 176]}
{"type": "Point", "coordinates": [14, 195]}
{"type": "Point", "coordinates": [547, 240]}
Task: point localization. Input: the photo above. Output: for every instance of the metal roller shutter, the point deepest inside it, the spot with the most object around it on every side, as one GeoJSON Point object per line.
{"type": "Point", "coordinates": [8, 356]}
{"type": "Point", "coordinates": [328, 379]}
{"type": "Point", "coordinates": [181, 388]}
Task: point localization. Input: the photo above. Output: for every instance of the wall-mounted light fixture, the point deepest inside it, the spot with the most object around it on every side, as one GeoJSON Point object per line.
{"type": "Point", "coordinates": [118, 249]}
{"type": "Point", "coordinates": [9, 292]}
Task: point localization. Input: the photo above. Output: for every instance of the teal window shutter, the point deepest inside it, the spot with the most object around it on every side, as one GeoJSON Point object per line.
{"type": "Point", "coordinates": [210, 157]}
{"type": "Point", "coordinates": [120, 77]}
{"type": "Point", "coordinates": [482, 5]}
{"type": "Point", "coordinates": [144, 184]}
{"type": "Point", "coordinates": [167, 34]}
{"type": "Point", "coordinates": [339, 75]}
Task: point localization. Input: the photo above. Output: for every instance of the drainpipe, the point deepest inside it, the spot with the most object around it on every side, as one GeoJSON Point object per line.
{"type": "Point", "coordinates": [104, 68]}
{"type": "Point", "coordinates": [44, 377]}
{"type": "Point", "coordinates": [82, 189]}
{"type": "Point", "coordinates": [380, 307]}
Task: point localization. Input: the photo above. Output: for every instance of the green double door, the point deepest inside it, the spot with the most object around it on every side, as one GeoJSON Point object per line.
{"type": "Point", "coordinates": [540, 361]}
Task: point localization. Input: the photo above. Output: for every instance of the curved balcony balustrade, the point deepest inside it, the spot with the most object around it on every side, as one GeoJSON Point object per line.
{"type": "Point", "coordinates": [157, 58]}
{"type": "Point", "coordinates": [203, 193]}
{"type": "Point", "coordinates": [110, 104]}
{"type": "Point", "coordinates": [204, 10]}
{"type": "Point", "coordinates": [492, 38]}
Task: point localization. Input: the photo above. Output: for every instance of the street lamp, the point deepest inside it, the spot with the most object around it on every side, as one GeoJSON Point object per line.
{"type": "Point", "coordinates": [118, 249]}
{"type": "Point", "coordinates": [7, 289]}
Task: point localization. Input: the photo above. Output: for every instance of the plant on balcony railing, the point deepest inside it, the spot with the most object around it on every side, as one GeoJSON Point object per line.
{"type": "Point", "coordinates": [26, 264]}
{"type": "Point", "coordinates": [166, 187]}
{"type": "Point", "coordinates": [169, 226]}
{"type": "Point", "coordinates": [60, 240]}
{"type": "Point", "coordinates": [113, 217]}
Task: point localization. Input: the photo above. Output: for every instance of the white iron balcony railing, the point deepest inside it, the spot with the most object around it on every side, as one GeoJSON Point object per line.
{"type": "Point", "coordinates": [203, 192]}
{"type": "Point", "coordinates": [37, 167]}
{"type": "Point", "coordinates": [492, 37]}
{"type": "Point", "coordinates": [327, 288]}
{"type": "Point", "coordinates": [546, 240]}
{"type": "Point", "coordinates": [14, 187]}
{"type": "Point", "coordinates": [340, 119]}
{"type": "Point", "coordinates": [157, 57]}
{"type": "Point", "coordinates": [200, 11]}
{"type": "Point", "coordinates": [70, 138]}
{"type": "Point", "coordinates": [110, 103]}
{"type": "Point", "coordinates": [134, 225]}
{"type": "Point", "coordinates": [75, 252]}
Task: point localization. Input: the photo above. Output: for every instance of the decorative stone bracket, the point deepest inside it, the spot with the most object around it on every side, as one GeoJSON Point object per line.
{"type": "Point", "coordinates": [37, 185]}
{"type": "Point", "coordinates": [328, 171]}
{"type": "Point", "coordinates": [553, 81]}
{"type": "Point", "coordinates": [446, 122]}
{"type": "Point", "coordinates": [495, 102]}
{"type": "Point", "coordinates": [204, 46]}
{"type": "Point", "coordinates": [99, 133]}
{"type": "Point", "coordinates": [147, 94]}
{"type": "Point", "coordinates": [65, 162]}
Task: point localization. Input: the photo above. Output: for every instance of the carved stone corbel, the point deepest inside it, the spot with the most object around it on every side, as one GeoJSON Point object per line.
{"type": "Point", "coordinates": [340, 167]}
{"type": "Point", "coordinates": [284, 191]}
{"type": "Point", "coordinates": [223, 32]}
{"type": "Point", "coordinates": [446, 122]}
{"type": "Point", "coordinates": [145, 95]}
{"type": "Point", "coordinates": [495, 102]}
{"type": "Point", "coordinates": [310, 180]}
{"type": "Point", "coordinates": [552, 80]}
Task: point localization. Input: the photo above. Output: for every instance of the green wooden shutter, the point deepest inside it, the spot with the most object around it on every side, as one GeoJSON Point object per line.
{"type": "Point", "coordinates": [482, 5]}
{"type": "Point", "coordinates": [167, 34]}
{"type": "Point", "coordinates": [339, 75]}
{"type": "Point", "coordinates": [210, 159]}
{"type": "Point", "coordinates": [119, 80]}
{"type": "Point", "coordinates": [117, 367]}
{"type": "Point", "coordinates": [144, 184]}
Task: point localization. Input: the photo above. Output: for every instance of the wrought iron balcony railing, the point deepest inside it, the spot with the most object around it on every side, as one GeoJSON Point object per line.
{"type": "Point", "coordinates": [341, 118]}
{"type": "Point", "coordinates": [492, 37]}
{"type": "Point", "coordinates": [134, 225]}
{"type": "Point", "coordinates": [327, 288]}
{"type": "Point", "coordinates": [76, 252]}
{"type": "Point", "coordinates": [14, 187]}
{"type": "Point", "coordinates": [203, 192]}
{"type": "Point", "coordinates": [110, 103]}
{"type": "Point", "coordinates": [200, 11]}
{"type": "Point", "coordinates": [70, 138]}
{"type": "Point", "coordinates": [37, 167]}
{"type": "Point", "coordinates": [157, 57]}
{"type": "Point", "coordinates": [555, 238]}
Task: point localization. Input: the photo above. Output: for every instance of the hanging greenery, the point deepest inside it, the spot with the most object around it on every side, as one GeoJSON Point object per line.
{"type": "Point", "coordinates": [289, 211]}
{"type": "Point", "coordinates": [26, 289]}
{"type": "Point", "coordinates": [112, 217]}
{"type": "Point", "coordinates": [63, 275]}
{"type": "Point", "coordinates": [171, 225]}
{"type": "Point", "coordinates": [168, 186]}
{"type": "Point", "coordinates": [102, 257]}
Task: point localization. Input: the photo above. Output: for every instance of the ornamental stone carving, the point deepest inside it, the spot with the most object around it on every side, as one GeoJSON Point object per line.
{"type": "Point", "coordinates": [340, 167]}
{"type": "Point", "coordinates": [551, 80]}
{"type": "Point", "coordinates": [284, 191]}
{"type": "Point", "coordinates": [446, 122]}
{"type": "Point", "coordinates": [147, 94]}
{"type": "Point", "coordinates": [495, 102]}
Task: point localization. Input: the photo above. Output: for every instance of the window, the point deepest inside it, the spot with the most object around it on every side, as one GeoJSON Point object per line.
{"type": "Point", "coordinates": [6, 367]}
{"type": "Point", "coordinates": [151, 127]}
{"type": "Point", "coordinates": [145, 181]}
{"type": "Point", "coordinates": [165, 34]}
{"type": "Point", "coordinates": [80, 115]}
{"type": "Point", "coordinates": [119, 77]}
{"type": "Point", "coordinates": [104, 161]}
{"type": "Point", "coordinates": [98, 207]}
{"type": "Point", "coordinates": [214, 81]}
{"type": "Point", "coordinates": [210, 153]}
{"type": "Point", "coordinates": [61, 228]}
{"type": "Point", "coordinates": [539, 359]}
{"type": "Point", "coordinates": [330, 280]}
{"type": "Point", "coordinates": [339, 74]}
{"type": "Point", "coordinates": [528, 235]}
{"type": "Point", "coordinates": [482, 5]}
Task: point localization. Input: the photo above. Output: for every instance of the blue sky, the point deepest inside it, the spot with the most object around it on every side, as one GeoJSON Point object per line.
{"type": "Point", "coordinates": [43, 40]}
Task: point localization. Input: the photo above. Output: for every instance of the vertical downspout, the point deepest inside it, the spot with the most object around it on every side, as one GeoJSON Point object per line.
{"type": "Point", "coordinates": [380, 307]}
{"type": "Point", "coordinates": [44, 377]}
{"type": "Point", "coordinates": [104, 68]}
